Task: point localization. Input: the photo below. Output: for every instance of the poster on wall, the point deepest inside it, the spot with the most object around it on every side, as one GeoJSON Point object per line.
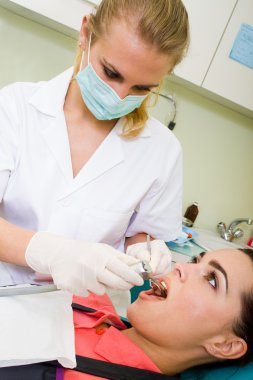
{"type": "Point", "coordinates": [242, 50]}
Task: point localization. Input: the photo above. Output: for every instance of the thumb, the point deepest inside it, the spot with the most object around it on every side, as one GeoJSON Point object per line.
{"type": "Point", "coordinates": [128, 260]}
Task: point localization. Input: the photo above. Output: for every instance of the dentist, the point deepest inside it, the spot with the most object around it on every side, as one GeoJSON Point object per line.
{"type": "Point", "coordinates": [85, 173]}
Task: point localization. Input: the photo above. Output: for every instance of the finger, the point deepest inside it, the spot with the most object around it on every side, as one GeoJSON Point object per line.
{"type": "Point", "coordinates": [139, 252]}
{"type": "Point", "coordinates": [112, 281]}
{"type": "Point", "coordinates": [164, 266]}
{"type": "Point", "coordinates": [97, 288]}
{"type": "Point", "coordinates": [129, 260]}
{"type": "Point", "coordinates": [156, 257]}
{"type": "Point", "coordinates": [142, 255]}
{"type": "Point", "coordinates": [121, 270]}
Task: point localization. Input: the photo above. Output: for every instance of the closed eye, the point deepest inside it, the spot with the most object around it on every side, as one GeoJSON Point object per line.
{"type": "Point", "coordinates": [111, 74]}
{"type": "Point", "coordinates": [143, 88]}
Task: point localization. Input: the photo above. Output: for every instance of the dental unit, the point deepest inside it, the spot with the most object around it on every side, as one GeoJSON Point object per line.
{"type": "Point", "coordinates": [145, 271]}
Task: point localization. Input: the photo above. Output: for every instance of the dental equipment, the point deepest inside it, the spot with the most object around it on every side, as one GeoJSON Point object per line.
{"type": "Point", "coordinates": [23, 289]}
{"type": "Point", "coordinates": [154, 283]}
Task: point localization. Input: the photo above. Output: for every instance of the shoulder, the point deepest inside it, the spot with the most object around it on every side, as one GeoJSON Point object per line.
{"type": "Point", "coordinates": [162, 138]}
{"type": "Point", "coordinates": [19, 91]}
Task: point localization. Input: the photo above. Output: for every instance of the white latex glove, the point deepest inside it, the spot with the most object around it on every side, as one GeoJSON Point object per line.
{"type": "Point", "coordinates": [160, 258]}
{"type": "Point", "coordinates": [81, 267]}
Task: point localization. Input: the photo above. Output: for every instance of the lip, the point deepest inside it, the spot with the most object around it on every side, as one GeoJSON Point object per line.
{"type": "Point", "coordinates": [149, 294]}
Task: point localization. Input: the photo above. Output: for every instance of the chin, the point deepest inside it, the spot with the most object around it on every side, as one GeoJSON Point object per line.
{"type": "Point", "coordinates": [133, 311]}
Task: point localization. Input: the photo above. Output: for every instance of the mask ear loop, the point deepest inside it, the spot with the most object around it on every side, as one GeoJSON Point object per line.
{"type": "Point", "coordinates": [81, 64]}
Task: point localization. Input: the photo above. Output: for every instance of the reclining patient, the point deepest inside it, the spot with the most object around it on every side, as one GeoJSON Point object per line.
{"type": "Point", "coordinates": [206, 317]}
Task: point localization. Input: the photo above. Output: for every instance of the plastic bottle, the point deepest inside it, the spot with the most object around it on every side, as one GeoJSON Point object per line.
{"type": "Point", "coordinates": [250, 242]}
{"type": "Point", "coordinates": [191, 214]}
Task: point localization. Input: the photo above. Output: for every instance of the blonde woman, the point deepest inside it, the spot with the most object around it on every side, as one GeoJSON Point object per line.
{"type": "Point", "coordinates": [85, 173]}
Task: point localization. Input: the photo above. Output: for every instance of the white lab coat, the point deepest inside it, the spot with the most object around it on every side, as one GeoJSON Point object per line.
{"type": "Point", "coordinates": [126, 187]}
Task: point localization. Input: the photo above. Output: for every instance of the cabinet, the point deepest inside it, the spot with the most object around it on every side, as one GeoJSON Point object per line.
{"type": "Point", "coordinates": [208, 20]}
{"type": "Point", "coordinates": [214, 27]}
{"type": "Point", "coordinates": [207, 67]}
{"type": "Point", "coordinates": [226, 77]}
{"type": "Point", "coordinates": [62, 15]}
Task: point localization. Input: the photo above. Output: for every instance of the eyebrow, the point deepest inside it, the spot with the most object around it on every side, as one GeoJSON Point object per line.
{"type": "Point", "coordinates": [217, 266]}
{"type": "Point", "coordinates": [104, 62]}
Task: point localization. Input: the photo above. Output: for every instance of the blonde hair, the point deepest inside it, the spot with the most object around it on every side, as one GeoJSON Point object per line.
{"type": "Point", "coordinates": [161, 23]}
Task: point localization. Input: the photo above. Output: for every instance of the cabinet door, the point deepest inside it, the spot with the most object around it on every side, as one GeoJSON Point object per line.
{"type": "Point", "coordinates": [52, 13]}
{"type": "Point", "coordinates": [208, 20]}
{"type": "Point", "coordinates": [226, 77]}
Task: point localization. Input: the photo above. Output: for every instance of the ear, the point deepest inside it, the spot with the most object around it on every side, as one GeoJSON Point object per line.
{"type": "Point", "coordinates": [84, 32]}
{"type": "Point", "coordinates": [229, 348]}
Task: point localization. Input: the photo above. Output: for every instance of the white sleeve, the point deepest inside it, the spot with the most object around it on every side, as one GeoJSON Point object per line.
{"type": "Point", "coordinates": [4, 178]}
{"type": "Point", "coordinates": [8, 136]}
{"type": "Point", "coordinates": [160, 211]}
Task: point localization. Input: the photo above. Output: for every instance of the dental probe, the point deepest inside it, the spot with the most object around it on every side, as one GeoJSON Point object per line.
{"type": "Point", "coordinates": [145, 271]}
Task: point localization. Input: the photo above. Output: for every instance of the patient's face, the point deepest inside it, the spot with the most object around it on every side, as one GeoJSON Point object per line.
{"type": "Point", "coordinates": [203, 300]}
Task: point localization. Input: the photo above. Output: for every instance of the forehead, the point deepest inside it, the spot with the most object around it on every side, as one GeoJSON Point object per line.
{"type": "Point", "coordinates": [122, 43]}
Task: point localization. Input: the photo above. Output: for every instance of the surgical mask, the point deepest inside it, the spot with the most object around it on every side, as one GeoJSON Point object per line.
{"type": "Point", "coordinates": [102, 101]}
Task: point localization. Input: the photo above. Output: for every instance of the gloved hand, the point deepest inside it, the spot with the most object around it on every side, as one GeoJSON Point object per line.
{"type": "Point", "coordinates": [159, 259]}
{"type": "Point", "coordinates": [81, 267]}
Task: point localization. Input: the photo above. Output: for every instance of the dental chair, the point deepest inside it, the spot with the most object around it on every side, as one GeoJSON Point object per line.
{"type": "Point", "coordinates": [219, 372]}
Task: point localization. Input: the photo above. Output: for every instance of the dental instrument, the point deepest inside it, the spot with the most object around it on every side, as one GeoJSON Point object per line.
{"type": "Point", "coordinates": [154, 283]}
{"type": "Point", "coordinates": [23, 289]}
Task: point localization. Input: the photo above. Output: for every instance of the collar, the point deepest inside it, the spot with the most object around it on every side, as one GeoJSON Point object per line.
{"type": "Point", "coordinates": [105, 312]}
{"type": "Point", "coordinates": [117, 348]}
{"type": "Point", "coordinates": [50, 97]}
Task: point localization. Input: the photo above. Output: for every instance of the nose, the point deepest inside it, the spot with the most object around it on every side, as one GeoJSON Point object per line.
{"type": "Point", "coordinates": [121, 90]}
{"type": "Point", "coordinates": [181, 271]}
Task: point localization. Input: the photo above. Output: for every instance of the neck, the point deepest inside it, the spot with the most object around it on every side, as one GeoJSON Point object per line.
{"type": "Point", "coordinates": [169, 360]}
{"type": "Point", "coordinates": [75, 105]}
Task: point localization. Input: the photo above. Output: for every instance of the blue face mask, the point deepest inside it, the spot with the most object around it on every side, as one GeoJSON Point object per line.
{"type": "Point", "coordinates": [102, 101]}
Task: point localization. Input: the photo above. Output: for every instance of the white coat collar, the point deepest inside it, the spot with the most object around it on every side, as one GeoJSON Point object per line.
{"type": "Point", "coordinates": [49, 100]}
{"type": "Point", "coordinates": [50, 96]}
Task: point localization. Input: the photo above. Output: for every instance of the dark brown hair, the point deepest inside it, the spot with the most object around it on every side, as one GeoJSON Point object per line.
{"type": "Point", "coordinates": [243, 326]}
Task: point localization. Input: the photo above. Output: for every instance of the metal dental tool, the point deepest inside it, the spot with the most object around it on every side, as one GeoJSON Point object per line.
{"type": "Point", "coordinates": [145, 271]}
{"type": "Point", "coordinates": [154, 283]}
{"type": "Point", "coordinates": [23, 289]}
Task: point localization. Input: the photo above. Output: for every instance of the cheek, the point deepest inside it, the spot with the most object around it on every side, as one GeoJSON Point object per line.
{"type": "Point", "coordinates": [193, 306]}
{"type": "Point", "coordinates": [190, 301]}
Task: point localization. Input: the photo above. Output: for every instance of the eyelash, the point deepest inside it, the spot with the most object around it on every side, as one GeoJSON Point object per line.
{"type": "Point", "coordinates": [209, 276]}
{"type": "Point", "coordinates": [112, 75]}
{"type": "Point", "coordinates": [142, 88]}
{"type": "Point", "coordinates": [109, 73]}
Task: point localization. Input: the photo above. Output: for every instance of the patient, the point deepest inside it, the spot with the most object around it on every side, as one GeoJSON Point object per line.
{"type": "Point", "coordinates": [206, 317]}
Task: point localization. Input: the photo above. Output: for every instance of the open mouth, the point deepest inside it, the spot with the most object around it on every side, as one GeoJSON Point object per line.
{"type": "Point", "coordinates": [159, 288]}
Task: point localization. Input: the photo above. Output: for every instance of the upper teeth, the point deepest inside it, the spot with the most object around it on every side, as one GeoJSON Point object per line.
{"type": "Point", "coordinates": [163, 284]}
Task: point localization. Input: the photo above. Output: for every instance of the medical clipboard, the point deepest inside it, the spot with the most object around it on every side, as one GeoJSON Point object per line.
{"type": "Point", "coordinates": [26, 289]}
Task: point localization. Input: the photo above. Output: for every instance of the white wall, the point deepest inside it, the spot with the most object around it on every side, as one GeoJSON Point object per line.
{"type": "Point", "coordinates": [31, 52]}
{"type": "Point", "coordinates": [218, 157]}
{"type": "Point", "coordinates": [217, 142]}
